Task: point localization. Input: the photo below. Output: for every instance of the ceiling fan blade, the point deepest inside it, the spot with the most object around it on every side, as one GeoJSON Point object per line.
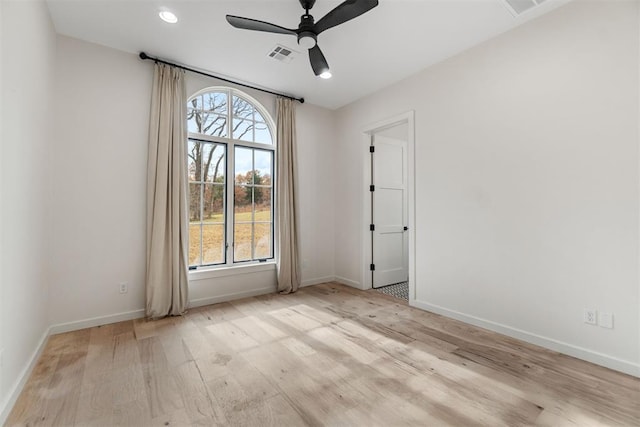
{"type": "Point", "coordinates": [255, 25]}
{"type": "Point", "coordinates": [344, 12]}
{"type": "Point", "coordinates": [318, 61]}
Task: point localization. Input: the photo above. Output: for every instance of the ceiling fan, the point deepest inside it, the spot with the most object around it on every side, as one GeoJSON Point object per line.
{"type": "Point", "coordinates": [308, 30]}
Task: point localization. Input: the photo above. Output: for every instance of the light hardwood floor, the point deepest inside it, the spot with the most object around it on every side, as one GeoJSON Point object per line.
{"type": "Point", "coordinates": [326, 355]}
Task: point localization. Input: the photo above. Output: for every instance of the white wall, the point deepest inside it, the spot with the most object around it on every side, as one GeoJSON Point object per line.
{"type": "Point", "coordinates": [316, 159]}
{"type": "Point", "coordinates": [28, 54]}
{"type": "Point", "coordinates": [99, 188]}
{"type": "Point", "coordinates": [99, 181]}
{"type": "Point", "coordinates": [526, 181]}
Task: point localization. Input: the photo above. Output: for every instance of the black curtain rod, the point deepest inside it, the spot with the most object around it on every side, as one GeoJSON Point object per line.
{"type": "Point", "coordinates": [145, 56]}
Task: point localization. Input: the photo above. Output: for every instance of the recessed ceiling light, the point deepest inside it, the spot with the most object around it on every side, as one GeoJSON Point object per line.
{"type": "Point", "coordinates": [168, 17]}
{"type": "Point", "coordinates": [326, 75]}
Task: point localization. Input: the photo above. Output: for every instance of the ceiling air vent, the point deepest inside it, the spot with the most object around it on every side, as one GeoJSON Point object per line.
{"type": "Point", "coordinates": [518, 7]}
{"type": "Point", "coordinates": [282, 53]}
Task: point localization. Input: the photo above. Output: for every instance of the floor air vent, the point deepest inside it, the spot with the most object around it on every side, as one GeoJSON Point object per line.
{"type": "Point", "coordinates": [282, 54]}
{"type": "Point", "coordinates": [518, 7]}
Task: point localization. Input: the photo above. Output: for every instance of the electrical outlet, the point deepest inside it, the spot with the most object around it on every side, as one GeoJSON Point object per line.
{"type": "Point", "coordinates": [124, 287]}
{"type": "Point", "coordinates": [590, 316]}
{"type": "Point", "coordinates": [605, 320]}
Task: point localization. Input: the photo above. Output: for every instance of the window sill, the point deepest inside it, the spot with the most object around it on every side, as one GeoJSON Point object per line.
{"type": "Point", "coordinates": [214, 272]}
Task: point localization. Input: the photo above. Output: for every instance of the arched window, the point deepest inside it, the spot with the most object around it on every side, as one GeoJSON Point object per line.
{"type": "Point", "coordinates": [231, 164]}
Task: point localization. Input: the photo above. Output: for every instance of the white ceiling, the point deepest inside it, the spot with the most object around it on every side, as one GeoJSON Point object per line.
{"type": "Point", "coordinates": [391, 42]}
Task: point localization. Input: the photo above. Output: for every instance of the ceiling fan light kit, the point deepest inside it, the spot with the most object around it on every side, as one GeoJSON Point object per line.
{"type": "Point", "coordinates": [307, 40]}
{"type": "Point", "coordinates": [308, 30]}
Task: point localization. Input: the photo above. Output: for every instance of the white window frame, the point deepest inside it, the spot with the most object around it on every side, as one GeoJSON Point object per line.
{"type": "Point", "coordinates": [230, 145]}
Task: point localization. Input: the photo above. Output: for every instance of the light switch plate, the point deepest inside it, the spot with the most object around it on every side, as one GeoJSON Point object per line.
{"type": "Point", "coordinates": [605, 320]}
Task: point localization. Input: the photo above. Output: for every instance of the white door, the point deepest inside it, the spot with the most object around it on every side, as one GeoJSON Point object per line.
{"type": "Point", "coordinates": [390, 252]}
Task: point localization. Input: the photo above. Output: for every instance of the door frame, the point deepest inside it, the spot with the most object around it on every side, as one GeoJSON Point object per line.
{"type": "Point", "coordinates": [367, 132]}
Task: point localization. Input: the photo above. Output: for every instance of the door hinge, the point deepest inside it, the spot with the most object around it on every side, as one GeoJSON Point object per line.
{"type": "Point", "coordinates": [372, 149]}
{"type": "Point", "coordinates": [372, 227]}
{"type": "Point", "coordinates": [372, 267]}
{"type": "Point", "coordinates": [372, 188]}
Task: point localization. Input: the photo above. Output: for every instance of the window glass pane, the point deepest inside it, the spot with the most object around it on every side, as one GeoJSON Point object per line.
{"type": "Point", "coordinates": [213, 203]}
{"type": "Point", "coordinates": [263, 166]}
{"type": "Point", "coordinates": [243, 205]}
{"type": "Point", "coordinates": [195, 157]}
{"type": "Point", "coordinates": [243, 129]}
{"type": "Point", "coordinates": [262, 134]}
{"type": "Point", "coordinates": [212, 244]}
{"type": "Point", "coordinates": [195, 103]}
{"type": "Point", "coordinates": [253, 177]}
{"type": "Point", "coordinates": [194, 202]}
{"type": "Point", "coordinates": [242, 109]}
{"type": "Point", "coordinates": [215, 125]}
{"type": "Point", "coordinates": [258, 117]}
{"type": "Point", "coordinates": [244, 165]}
{"type": "Point", "coordinates": [193, 161]}
{"type": "Point", "coordinates": [262, 240]}
{"type": "Point", "coordinates": [262, 197]}
{"type": "Point", "coordinates": [266, 180]}
{"type": "Point", "coordinates": [213, 162]}
{"type": "Point", "coordinates": [242, 242]}
{"type": "Point", "coordinates": [215, 102]}
{"type": "Point", "coordinates": [194, 121]}
{"type": "Point", "coordinates": [194, 244]}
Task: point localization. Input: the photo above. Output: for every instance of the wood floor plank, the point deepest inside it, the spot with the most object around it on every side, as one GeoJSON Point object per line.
{"type": "Point", "coordinates": [31, 406]}
{"type": "Point", "coordinates": [261, 331]}
{"type": "Point", "coordinates": [232, 336]}
{"type": "Point", "coordinates": [127, 373]}
{"type": "Point", "coordinates": [60, 395]}
{"type": "Point", "coordinates": [162, 392]}
{"type": "Point", "coordinates": [326, 355]}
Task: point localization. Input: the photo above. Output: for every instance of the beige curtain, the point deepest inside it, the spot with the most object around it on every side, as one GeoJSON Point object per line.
{"type": "Point", "coordinates": [288, 267]}
{"type": "Point", "coordinates": [167, 268]}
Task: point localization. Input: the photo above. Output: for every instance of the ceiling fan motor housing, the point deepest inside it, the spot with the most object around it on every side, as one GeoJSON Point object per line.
{"type": "Point", "coordinates": [307, 38]}
{"type": "Point", "coordinates": [306, 23]}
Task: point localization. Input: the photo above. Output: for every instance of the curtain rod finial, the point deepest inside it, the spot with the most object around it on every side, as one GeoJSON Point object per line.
{"type": "Point", "coordinates": [143, 55]}
{"type": "Point", "coordinates": [301, 100]}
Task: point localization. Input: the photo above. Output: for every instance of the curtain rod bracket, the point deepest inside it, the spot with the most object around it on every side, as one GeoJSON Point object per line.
{"type": "Point", "coordinates": [144, 56]}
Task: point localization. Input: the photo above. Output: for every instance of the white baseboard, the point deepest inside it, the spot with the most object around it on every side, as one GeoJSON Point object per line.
{"type": "Point", "coordinates": [230, 297]}
{"type": "Point", "coordinates": [96, 321]}
{"type": "Point", "coordinates": [139, 314]}
{"type": "Point", "coordinates": [550, 343]}
{"type": "Point", "coordinates": [349, 282]}
{"type": "Point", "coordinates": [317, 281]}
{"type": "Point", "coordinates": [16, 389]}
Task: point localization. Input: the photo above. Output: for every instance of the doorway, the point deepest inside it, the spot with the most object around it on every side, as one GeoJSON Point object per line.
{"type": "Point", "coordinates": [388, 205]}
{"type": "Point", "coordinates": [389, 216]}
